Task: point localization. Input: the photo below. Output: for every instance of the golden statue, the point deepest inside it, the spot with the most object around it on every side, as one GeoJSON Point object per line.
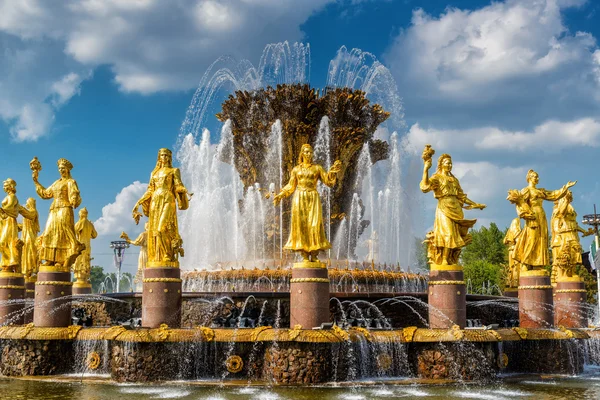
{"type": "Point", "coordinates": [29, 235]}
{"type": "Point", "coordinates": [10, 244]}
{"type": "Point", "coordinates": [165, 192]}
{"type": "Point", "coordinates": [531, 249]}
{"type": "Point", "coordinates": [566, 247]}
{"type": "Point", "coordinates": [85, 233]}
{"type": "Point", "coordinates": [307, 233]}
{"type": "Point", "coordinates": [60, 247]}
{"type": "Point", "coordinates": [142, 242]}
{"type": "Point", "coordinates": [450, 229]}
{"type": "Point", "coordinates": [510, 240]}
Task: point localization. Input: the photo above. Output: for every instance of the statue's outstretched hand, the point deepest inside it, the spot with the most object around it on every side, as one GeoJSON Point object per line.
{"type": "Point", "coordinates": [336, 167]}
{"type": "Point", "coordinates": [277, 199]}
{"type": "Point", "coordinates": [571, 184]}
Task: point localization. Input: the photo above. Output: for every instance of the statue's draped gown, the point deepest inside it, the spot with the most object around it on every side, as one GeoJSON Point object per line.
{"type": "Point", "coordinates": [9, 231]}
{"type": "Point", "coordinates": [532, 245]}
{"type": "Point", "coordinates": [450, 228]}
{"type": "Point", "coordinates": [31, 227]}
{"type": "Point", "coordinates": [159, 204]}
{"type": "Point", "coordinates": [59, 242]}
{"type": "Point", "coordinates": [307, 232]}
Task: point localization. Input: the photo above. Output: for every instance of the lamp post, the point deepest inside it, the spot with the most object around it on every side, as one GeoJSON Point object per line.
{"type": "Point", "coordinates": [594, 221]}
{"type": "Point", "coordinates": [119, 247]}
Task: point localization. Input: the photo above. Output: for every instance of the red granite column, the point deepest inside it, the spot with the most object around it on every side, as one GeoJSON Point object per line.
{"type": "Point", "coordinates": [309, 295]}
{"type": "Point", "coordinates": [52, 306]}
{"type": "Point", "coordinates": [29, 296]}
{"type": "Point", "coordinates": [569, 303]}
{"type": "Point", "coordinates": [447, 297]}
{"type": "Point", "coordinates": [161, 297]}
{"type": "Point", "coordinates": [12, 293]}
{"type": "Point", "coordinates": [535, 300]}
{"type": "Point", "coordinates": [82, 287]}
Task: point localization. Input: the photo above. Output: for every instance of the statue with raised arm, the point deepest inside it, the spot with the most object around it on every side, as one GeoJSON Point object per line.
{"type": "Point", "coordinates": [60, 247]}
{"type": "Point", "coordinates": [142, 242]}
{"type": "Point", "coordinates": [164, 195]}
{"type": "Point", "coordinates": [566, 246]}
{"type": "Point", "coordinates": [531, 249]}
{"type": "Point", "coordinates": [307, 232]}
{"type": "Point", "coordinates": [85, 233]}
{"type": "Point", "coordinates": [450, 228]}
{"type": "Point", "coordinates": [29, 235]}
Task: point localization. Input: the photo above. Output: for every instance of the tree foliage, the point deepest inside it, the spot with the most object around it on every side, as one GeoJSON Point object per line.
{"type": "Point", "coordinates": [591, 285]}
{"type": "Point", "coordinates": [483, 277]}
{"type": "Point", "coordinates": [487, 245]}
{"type": "Point", "coordinates": [484, 260]}
{"type": "Point", "coordinates": [97, 276]}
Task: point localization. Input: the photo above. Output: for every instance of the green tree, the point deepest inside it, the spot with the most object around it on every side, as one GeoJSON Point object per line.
{"type": "Point", "coordinates": [484, 259]}
{"type": "Point", "coordinates": [482, 273]}
{"type": "Point", "coordinates": [591, 286]}
{"type": "Point", "coordinates": [487, 245]}
{"type": "Point", "coordinates": [97, 276]}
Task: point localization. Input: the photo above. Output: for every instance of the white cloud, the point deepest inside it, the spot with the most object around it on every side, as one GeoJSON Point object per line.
{"type": "Point", "coordinates": [484, 181]}
{"type": "Point", "coordinates": [150, 45]}
{"type": "Point", "coordinates": [116, 217]}
{"type": "Point", "coordinates": [507, 62]}
{"type": "Point", "coordinates": [549, 137]}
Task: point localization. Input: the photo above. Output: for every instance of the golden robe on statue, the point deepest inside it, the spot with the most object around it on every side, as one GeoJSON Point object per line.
{"type": "Point", "coordinates": [307, 232]}
{"type": "Point", "coordinates": [532, 246]}
{"type": "Point", "coordinates": [59, 243]}
{"type": "Point", "coordinates": [164, 194]}
{"type": "Point", "coordinates": [450, 228]}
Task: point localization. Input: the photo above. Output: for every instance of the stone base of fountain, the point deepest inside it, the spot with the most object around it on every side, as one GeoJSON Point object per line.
{"type": "Point", "coordinates": [447, 297]}
{"type": "Point", "coordinates": [288, 356]}
{"type": "Point", "coordinates": [535, 300]}
{"type": "Point", "coordinates": [12, 289]}
{"type": "Point", "coordinates": [161, 298]}
{"type": "Point", "coordinates": [52, 301]}
{"type": "Point", "coordinates": [569, 303]}
{"type": "Point", "coordinates": [309, 295]}
{"type": "Point", "coordinates": [511, 292]}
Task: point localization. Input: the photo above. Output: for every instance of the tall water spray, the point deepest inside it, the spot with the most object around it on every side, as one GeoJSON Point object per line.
{"type": "Point", "coordinates": [227, 225]}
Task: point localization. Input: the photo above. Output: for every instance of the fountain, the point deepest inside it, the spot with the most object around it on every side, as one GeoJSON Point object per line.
{"type": "Point", "coordinates": [240, 306]}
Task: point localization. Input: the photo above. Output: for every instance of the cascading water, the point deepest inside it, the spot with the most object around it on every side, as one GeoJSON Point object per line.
{"type": "Point", "coordinates": [229, 225]}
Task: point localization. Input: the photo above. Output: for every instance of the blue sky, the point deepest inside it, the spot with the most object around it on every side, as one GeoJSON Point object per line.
{"type": "Point", "coordinates": [503, 87]}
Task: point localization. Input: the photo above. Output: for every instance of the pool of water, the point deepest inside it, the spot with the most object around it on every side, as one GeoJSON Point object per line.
{"type": "Point", "coordinates": [586, 386]}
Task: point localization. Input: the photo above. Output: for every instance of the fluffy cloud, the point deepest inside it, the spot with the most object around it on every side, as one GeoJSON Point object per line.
{"type": "Point", "coordinates": [511, 62]}
{"type": "Point", "coordinates": [116, 217]}
{"type": "Point", "coordinates": [49, 47]}
{"type": "Point", "coordinates": [484, 181]}
{"type": "Point", "coordinates": [549, 137]}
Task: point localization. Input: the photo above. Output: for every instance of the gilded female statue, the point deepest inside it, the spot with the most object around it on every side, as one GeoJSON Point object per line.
{"type": "Point", "coordinates": [307, 232]}
{"type": "Point", "coordinates": [142, 242]}
{"type": "Point", "coordinates": [450, 229]}
{"type": "Point", "coordinates": [85, 233]}
{"type": "Point", "coordinates": [59, 246]}
{"type": "Point", "coordinates": [531, 249]}
{"type": "Point", "coordinates": [31, 228]}
{"type": "Point", "coordinates": [10, 244]}
{"type": "Point", "coordinates": [565, 236]}
{"type": "Point", "coordinates": [164, 194]}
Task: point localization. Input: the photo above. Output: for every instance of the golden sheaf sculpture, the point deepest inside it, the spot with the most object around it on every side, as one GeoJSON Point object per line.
{"type": "Point", "coordinates": [450, 228]}
{"type": "Point", "coordinates": [164, 195]}
{"type": "Point", "coordinates": [307, 232]}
